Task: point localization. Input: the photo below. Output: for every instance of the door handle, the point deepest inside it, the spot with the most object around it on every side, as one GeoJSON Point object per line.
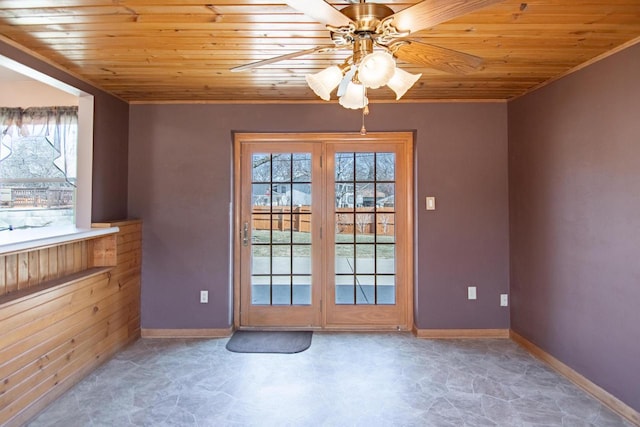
{"type": "Point", "coordinates": [245, 234]}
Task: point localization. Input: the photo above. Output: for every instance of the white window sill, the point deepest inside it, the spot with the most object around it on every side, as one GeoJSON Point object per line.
{"type": "Point", "coordinates": [22, 240]}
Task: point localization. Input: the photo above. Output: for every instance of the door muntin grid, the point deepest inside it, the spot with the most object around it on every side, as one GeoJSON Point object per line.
{"type": "Point", "coordinates": [281, 229]}
{"type": "Point", "coordinates": [365, 242]}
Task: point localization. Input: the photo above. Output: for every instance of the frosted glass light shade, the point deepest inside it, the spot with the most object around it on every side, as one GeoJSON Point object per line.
{"type": "Point", "coordinates": [402, 81]}
{"type": "Point", "coordinates": [376, 69]}
{"type": "Point", "coordinates": [354, 97]}
{"type": "Point", "coordinates": [325, 81]}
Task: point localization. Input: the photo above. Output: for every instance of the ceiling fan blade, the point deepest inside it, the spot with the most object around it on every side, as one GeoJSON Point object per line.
{"type": "Point", "coordinates": [429, 13]}
{"type": "Point", "coordinates": [440, 58]}
{"type": "Point", "coordinates": [282, 58]}
{"type": "Point", "coordinates": [320, 11]}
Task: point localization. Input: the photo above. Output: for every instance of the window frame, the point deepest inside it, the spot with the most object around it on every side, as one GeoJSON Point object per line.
{"type": "Point", "coordinates": [82, 216]}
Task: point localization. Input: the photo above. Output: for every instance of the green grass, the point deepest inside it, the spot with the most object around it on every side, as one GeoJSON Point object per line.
{"type": "Point", "coordinates": [302, 247]}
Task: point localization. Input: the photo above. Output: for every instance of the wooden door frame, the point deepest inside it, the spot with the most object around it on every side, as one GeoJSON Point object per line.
{"type": "Point", "coordinates": [405, 137]}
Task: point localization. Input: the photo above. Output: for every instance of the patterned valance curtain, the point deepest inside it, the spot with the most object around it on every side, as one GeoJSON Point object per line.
{"type": "Point", "coordinates": [58, 126]}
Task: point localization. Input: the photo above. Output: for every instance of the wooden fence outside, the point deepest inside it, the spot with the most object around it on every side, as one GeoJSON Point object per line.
{"type": "Point", "coordinates": [36, 197]}
{"type": "Point", "coordinates": [283, 218]}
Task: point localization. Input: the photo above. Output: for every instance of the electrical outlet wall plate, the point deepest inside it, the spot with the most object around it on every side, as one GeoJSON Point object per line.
{"type": "Point", "coordinates": [204, 297]}
{"type": "Point", "coordinates": [504, 300]}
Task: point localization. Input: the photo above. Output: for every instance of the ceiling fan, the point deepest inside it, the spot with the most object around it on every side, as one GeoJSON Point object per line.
{"type": "Point", "coordinates": [364, 27]}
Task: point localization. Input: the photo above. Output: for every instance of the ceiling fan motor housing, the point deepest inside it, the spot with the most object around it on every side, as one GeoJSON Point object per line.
{"type": "Point", "coordinates": [367, 16]}
{"type": "Point", "coordinates": [364, 29]}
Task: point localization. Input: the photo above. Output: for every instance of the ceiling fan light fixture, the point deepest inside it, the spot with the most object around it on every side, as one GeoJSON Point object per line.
{"type": "Point", "coordinates": [354, 97]}
{"type": "Point", "coordinates": [402, 81]}
{"type": "Point", "coordinates": [325, 81]}
{"type": "Point", "coordinates": [376, 35]}
{"type": "Point", "coordinates": [376, 69]}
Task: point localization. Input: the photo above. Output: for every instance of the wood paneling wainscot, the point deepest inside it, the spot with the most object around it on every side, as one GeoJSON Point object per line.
{"type": "Point", "coordinates": [64, 310]}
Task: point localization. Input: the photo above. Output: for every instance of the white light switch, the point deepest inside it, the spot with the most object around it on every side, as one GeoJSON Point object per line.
{"type": "Point", "coordinates": [471, 292]}
{"type": "Point", "coordinates": [431, 203]}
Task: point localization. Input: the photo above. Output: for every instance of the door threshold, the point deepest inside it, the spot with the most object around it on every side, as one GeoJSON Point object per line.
{"type": "Point", "coordinates": [350, 328]}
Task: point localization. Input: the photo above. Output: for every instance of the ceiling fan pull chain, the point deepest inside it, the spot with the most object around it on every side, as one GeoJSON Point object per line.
{"type": "Point", "coordinates": [365, 111]}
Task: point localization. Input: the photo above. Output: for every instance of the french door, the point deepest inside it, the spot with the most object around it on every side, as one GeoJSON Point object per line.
{"type": "Point", "coordinates": [322, 227]}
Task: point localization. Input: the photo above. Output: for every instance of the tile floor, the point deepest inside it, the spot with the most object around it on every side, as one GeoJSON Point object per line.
{"type": "Point", "coordinates": [343, 379]}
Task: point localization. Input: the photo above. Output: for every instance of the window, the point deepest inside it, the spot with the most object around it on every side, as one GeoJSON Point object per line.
{"type": "Point", "coordinates": [46, 149]}
{"type": "Point", "coordinates": [38, 166]}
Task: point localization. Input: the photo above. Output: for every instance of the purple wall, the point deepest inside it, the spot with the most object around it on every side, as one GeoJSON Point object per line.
{"type": "Point", "coordinates": [180, 169]}
{"type": "Point", "coordinates": [574, 180]}
{"type": "Point", "coordinates": [110, 140]}
{"type": "Point", "coordinates": [110, 158]}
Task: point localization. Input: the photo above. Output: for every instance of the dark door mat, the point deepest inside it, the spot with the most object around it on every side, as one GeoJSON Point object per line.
{"type": "Point", "coordinates": [269, 341]}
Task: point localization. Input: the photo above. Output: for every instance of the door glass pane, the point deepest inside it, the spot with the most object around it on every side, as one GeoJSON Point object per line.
{"type": "Point", "coordinates": [302, 167]}
{"type": "Point", "coordinates": [345, 289]}
{"type": "Point", "coordinates": [345, 197]}
{"type": "Point", "coordinates": [385, 197]}
{"type": "Point", "coordinates": [260, 259]}
{"type": "Point", "coordinates": [301, 259]}
{"type": "Point", "coordinates": [345, 262]}
{"type": "Point", "coordinates": [261, 168]}
{"type": "Point", "coordinates": [281, 290]}
{"type": "Point", "coordinates": [365, 260]}
{"type": "Point", "coordinates": [301, 196]}
{"type": "Point", "coordinates": [385, 166]}
{"type": "Point", "coordinates": [365, 166]}
{"type": "Point", "coordinates": [365, 228]}
{"type": "Point", "coordinates": [281, 229]}
{"type": "Point", "coordinates": [261, 197]}
{"type": "Point", "coordinates": [385, 259]}
{"type": "Point", "coordinates": [260, 228]}
{"type": "Point", "coordinates": [344, 227]}
{"type": "Point", "coordinates": [302, 290]}
{"type": "Point", "coordinates": [385, 227]}
{"type": "Point", "coordinates": [365, 196]}
{"type": "Point", "coordinates": [301, 228]}
{"type": "Point", "coordinates": [281, 167]}
{"type": "Point", "coordinates": [281, 197]}
{"type": "Point", "coordinates": [344, 165]}
{"type": "Point", "coordinates": [281, 259]}
{"type": "Point", "coordinates": [260, 290]}
{"type": "Point", "coordinates": [386, 285]}
{"type": "Point", "coordinates": [365, 289]}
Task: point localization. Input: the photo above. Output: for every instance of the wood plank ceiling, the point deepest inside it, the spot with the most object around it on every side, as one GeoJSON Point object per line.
{"type": "Point", "coordinates": [182, 50]}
